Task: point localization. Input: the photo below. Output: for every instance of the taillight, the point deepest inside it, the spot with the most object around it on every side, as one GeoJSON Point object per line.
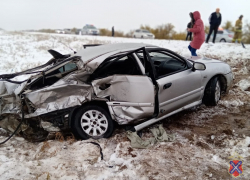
{"type": "Point", "coordinates": [230, 35]}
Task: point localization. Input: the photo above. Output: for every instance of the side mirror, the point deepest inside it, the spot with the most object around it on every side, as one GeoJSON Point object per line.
{"type": "Point", "coordinates": [198, 66]}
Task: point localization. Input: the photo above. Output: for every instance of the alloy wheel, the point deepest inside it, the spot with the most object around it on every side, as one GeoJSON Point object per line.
{"type": "Point", "coordinates": [94, 123]}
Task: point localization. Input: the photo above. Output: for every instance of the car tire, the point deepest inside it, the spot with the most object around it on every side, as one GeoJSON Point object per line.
{"type": "Point", "coordinates": [134, 36]}
{"type": "Point", "coordinates": [212, 92]}
{"type": "Point", "coordinates": [223, 40]}
{"type": "Point", "coordinates": [142, 37]}
{"type": "Point", "coordinates": [92, 121]}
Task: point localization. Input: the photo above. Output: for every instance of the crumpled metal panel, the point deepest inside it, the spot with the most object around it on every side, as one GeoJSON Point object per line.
{"type": "Point", "coordinates": [126, 88]}
{"type": "Point", "coordinates": [72, 90]}
{"type": "Point", "coordinates": [59, 97]}
{"type": "Point", "coordinates": [9, 105]}
{"type": "Point", "coordinates": [128, 114]}
{"type": "Point", "coordinates": [2, 88]}
{"type": "Point", "coordinates": [7, 88]}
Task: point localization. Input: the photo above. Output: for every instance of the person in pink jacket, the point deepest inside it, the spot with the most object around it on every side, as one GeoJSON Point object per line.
{"type": "Point", "coordinates": [199, 33]}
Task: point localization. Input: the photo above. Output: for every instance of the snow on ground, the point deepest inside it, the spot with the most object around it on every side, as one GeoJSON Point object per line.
{"type": "Point", "coordinates": [206, 136]}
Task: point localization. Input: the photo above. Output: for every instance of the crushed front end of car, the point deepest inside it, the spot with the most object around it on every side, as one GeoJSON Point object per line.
{"type": "Point", "coordinates": [45, 94]}
{"type": "Point", "coordinates": [51, 97]}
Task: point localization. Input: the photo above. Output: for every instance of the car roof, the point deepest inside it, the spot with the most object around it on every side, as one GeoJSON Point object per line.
{"type": "Point", "coordinates": [96, 51]}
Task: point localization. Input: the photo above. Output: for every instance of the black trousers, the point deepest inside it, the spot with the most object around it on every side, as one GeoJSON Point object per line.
{"type": "Point", "coordinates": [212, 28]}
{"type": "Point", "coordinates": [189, 34]}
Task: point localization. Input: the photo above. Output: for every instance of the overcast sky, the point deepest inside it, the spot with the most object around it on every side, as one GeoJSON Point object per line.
{"type": "Point", "coordinates": [125, 15]}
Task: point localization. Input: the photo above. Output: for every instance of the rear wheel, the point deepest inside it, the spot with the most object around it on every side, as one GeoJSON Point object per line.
{"type": "Point", "coordinates": [223, 40]}
{"type": "Point", "coordinates": [212, 92]}
{"type": "Point", "coordinates": [92, 122]}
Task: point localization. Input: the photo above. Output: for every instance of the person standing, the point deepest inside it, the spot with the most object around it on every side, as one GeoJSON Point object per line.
{"type": "Point", "coordinates": [199, 33]}
{"type": "Point", "coordinates": [215, 21]}
{"type": "Point", "coordinates": [190, 25]}
{"type": "Point", "coordinates": [238, 30]}
{"type": "Point", "coordinates": [113, 31]}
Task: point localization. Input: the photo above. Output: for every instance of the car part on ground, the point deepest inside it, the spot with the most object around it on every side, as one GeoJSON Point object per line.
{"type": "Point", "coordinates": [130, 83]}
{"type": "Point", "coordinates": [160, 135]}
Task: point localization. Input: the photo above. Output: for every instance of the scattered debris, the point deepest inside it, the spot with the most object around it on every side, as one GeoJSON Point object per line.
{"type": "Point", "coordinates": [160, 135]}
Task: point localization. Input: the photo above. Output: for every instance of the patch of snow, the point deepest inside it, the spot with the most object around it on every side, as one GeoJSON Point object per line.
{"type": "Point", "coordinates": [244, 84]}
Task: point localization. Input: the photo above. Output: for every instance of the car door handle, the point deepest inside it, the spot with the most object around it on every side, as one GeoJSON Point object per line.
{"type": "Point", "coordinates": [168, 85]}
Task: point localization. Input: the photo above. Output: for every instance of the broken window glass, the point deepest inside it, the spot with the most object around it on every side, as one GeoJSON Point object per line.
{"type": "Point", "coordinates": [126, 65]}
{"type": "Point", "coordinates": [54, 76]}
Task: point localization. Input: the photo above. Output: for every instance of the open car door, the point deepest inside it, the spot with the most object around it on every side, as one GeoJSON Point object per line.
{"type": "Point", "coordinates": [126, 81]}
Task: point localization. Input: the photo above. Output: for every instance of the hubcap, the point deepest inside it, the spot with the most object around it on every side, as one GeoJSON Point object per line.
{"type": "Point", "coordinates": [94, 123]}
{"type": "Point", "coordinates": [217, 92]}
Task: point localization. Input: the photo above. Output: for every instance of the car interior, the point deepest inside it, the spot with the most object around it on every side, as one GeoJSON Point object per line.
{"type": "Point", "coordinates": [126, 65]}
{"type": "Point", "coordinates": [165, 63]}
{"type": "Point", "coordinates": [53, 76]}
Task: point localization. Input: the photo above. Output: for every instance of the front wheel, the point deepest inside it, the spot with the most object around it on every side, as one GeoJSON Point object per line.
{"type": "Point", "coordinates": [92, 122]}
{"type": "Point", "coordinates": [212, 92]}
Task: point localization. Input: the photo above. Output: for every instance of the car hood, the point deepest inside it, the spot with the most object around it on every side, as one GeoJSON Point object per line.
{"type": "Point", "coordinates": [204, 60]}
{"type": "Point", "coordinates": [209, 60]}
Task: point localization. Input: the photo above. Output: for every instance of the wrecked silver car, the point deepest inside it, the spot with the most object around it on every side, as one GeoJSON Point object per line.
{"type": "Point", "coordinates": [129, 83]}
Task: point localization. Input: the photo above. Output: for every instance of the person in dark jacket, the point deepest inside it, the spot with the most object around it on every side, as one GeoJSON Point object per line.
{"type": "Point", "coordinates": [215, 21]}
{"type": "Point", "coordinates": [190, 25]}
{"type": "Point", "coordinates": [113, 31]}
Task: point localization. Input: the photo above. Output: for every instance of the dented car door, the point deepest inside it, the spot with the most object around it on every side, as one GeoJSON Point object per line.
{"type": "Point", "coordinates": [130, 91]}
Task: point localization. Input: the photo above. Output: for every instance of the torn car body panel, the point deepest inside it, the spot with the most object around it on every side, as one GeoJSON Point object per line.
{"type": "Point", "coordinates": [128, 97]}
{"type": "Point", "coordinates": [47, 89]}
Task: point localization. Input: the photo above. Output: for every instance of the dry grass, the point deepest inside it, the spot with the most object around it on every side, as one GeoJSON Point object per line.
{"type": "Point", "coordinates": [42, 37]}
{"type": "Point", "coordinates": [45, 146]}
{"type": "Point", "coordinates": [71, 139]}
{"type": "Point", "coordinates": [15, 32]}
{"type": "Point", "coordinates": [47, 177]}
{"type": "Point", "coordinates": [59, 137]}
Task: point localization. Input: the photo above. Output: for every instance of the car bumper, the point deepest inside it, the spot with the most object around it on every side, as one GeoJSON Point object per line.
{"type": "Point", "coordinates": [148, 37]}
{"type": "Point", "coordinates": [93, 33]}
